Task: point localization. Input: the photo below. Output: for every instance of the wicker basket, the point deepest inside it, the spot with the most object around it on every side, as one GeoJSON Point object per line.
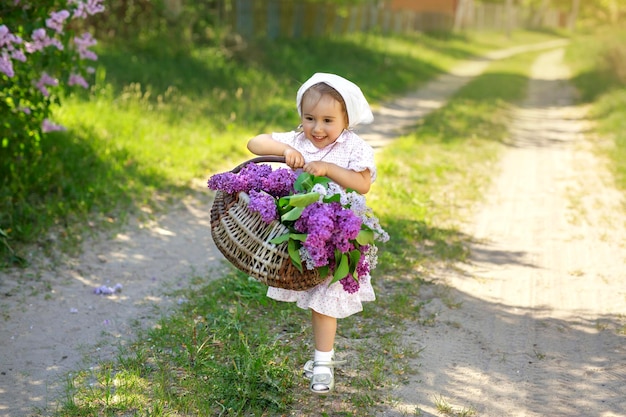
{"type": "Point", "coordinates": [243, 238]}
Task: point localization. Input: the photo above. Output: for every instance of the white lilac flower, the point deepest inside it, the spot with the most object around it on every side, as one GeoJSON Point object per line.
{"type": "Point", "coordinates": [320, 189]}
{"type": "Point", "coordinates": [306, 258]}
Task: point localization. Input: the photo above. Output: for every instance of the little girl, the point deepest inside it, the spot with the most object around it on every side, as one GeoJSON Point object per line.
{"type": "Point", "coordinates": [329, 106]}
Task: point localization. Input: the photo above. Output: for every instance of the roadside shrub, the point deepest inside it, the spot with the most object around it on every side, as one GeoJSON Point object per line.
{"type": "Point", "coordinates": [41, 55]}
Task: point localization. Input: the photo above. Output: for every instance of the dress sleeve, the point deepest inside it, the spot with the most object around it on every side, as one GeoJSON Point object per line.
{"type": "Point", "coordinates": [285, 137]}
{"type": "Point", "coordinates": [362, 158]}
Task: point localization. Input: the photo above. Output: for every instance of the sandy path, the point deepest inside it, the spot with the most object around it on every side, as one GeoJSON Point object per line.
{"type": "Point", "coordinates": [541, 328]}
{"type": "Point", "coordinates": [52, 323]}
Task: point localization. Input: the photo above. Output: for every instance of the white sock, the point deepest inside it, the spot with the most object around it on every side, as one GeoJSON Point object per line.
{"type": "Point", "coordinates": [323, 357]}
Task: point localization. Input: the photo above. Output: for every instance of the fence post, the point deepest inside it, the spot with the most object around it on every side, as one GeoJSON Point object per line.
{"type": "Point", "coordinates": [243, 20]}
{"type": "Point", "coordinates": [330, 16]}
{"type": "Point", "coordinates": [273, 19]}
{"type": "Point", "coordinates": [286, 19]}
{"type": "Point", "coordinates": [298, 19]}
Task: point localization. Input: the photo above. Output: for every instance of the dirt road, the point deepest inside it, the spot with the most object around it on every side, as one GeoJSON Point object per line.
{"type": "Point", "coordinates": [538, 320]}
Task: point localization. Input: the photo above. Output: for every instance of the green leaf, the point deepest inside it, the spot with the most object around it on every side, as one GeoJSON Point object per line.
{"type": "Point", "coordinates": [280, 239]}
{"type": "Point", "coordinates": [365, 237]}
{"type": "Point", "coordinates": [342, 269]}
{"type": "Point", "coordinates": [303, 200]}
{"type": "Point", "coordinates": [324, 271]}
{"type": "Point", "coordinates": [292, 215]}
{"type": "Point", "coordinates": [283, 202]}
{"type": "Point", "coordinates": [355, 255]}
{"type": "Point", "coordinates": [321, 180]}
{"type": "Point", "coordinates": [294, 254]}
{"type": "Point", "coordinates": [335, 198]}
{"type": "Point", "coordinates": [301, 237]}
{"type": "Point", "coordinates": [304, 182]}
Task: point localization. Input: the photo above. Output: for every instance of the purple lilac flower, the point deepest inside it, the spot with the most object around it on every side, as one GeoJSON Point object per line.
{"type": "Point", "coordinates": [6, 66]}
{"type": "Point", "coordinates": [77, 79]}
{"type": "Point", "coordinates": [363, 267]}
{"type": "Point", "coordinates": [48, 126]}
{"type": "Point", "coordinates": [279, 183]}
{"type": "Point", "coordinates": [83, 42]}
{"type": "Point", "coordinates": [44, 81]}
{"type": "Point", "coordinates": [56, 20]}
{"type": "Point", "coordinates": [317, 221]}
{"type": "Point", "coordinates": [254, 177]}
{"type": "Point", "coordinates": [223, 182]}
{"type": "Point", "coordinates": [18, 54]}
{"type": "Point", "coordinates": [349, 284]}
{"type": "Point", "coordinates": [8, 51]}
{"type": "Point", "coordinates": [85, 8]}
{"type": "Point", "coordinates": [4, 36]}
{"type": "Point", "coordinates": [7, 39]}
{"type": "Point", "coordinates": [40, 40]}
{"type": "Point", "coordinates": [348, 226]}
{"type": "Point", "coordinates": [264, 204]}
{"type": "Point", "coordinates": [104, 290]}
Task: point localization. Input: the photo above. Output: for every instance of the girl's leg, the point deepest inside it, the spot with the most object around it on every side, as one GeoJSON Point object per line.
{"type": "Point", "coordinates": [324, 330]}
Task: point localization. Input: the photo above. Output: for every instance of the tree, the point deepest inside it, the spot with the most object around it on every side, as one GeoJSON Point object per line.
{"type": "Point", "coordinates": [463, 13]}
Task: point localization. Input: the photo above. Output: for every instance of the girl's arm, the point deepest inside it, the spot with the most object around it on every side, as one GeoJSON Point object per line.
{"type": "Point", "coordinates": [347, 178]}
{"type": "Point", "coordinates": [264, 145]}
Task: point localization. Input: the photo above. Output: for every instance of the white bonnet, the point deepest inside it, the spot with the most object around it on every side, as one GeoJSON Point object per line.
{"type": "Point", "coordinates": [358, 109]}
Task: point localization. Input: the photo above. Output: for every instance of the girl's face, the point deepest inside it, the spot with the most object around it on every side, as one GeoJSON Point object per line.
{"type": "Point", "coordinates": [323, 119]}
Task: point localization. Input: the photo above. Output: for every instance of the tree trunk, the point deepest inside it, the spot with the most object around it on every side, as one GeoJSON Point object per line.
{"type": "Point", "coordinates": [538, 18]}
{"type": "Point", "coordinates": [573, 15]}
{"type": "Point", "coordinates": [509, 18]}
{"type": "Point", "coordinates": [462, 12]}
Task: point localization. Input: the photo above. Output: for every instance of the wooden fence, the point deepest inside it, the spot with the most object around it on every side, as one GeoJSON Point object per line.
{"type": "Point", "coordinates": [294, 19]}
{"type": "Point", "coordinates": [284, 18]}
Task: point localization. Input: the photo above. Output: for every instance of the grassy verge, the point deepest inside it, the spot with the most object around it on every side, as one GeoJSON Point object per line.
{"type": "Point", "coordinates": [231, 351]}
{"type": "Point", "coordinates": [599, 63]}
{"type": "Point", "coordinates": [155, 120]}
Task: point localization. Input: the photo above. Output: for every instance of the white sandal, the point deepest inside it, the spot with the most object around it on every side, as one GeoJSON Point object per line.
{"type": "Point", "coordinates": [327, 380]}
{"type": "Point", "coordinates": [307, 369]}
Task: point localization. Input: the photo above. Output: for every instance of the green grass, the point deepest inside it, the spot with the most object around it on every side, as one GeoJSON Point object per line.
{"type": "Point", "coordinates": [231, 351]}
{"type": "Point", "coordinates": [599, 63]}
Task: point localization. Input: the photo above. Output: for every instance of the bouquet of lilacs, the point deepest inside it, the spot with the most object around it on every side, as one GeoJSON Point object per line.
{"type": "Point", "coordinates": [329, 229]}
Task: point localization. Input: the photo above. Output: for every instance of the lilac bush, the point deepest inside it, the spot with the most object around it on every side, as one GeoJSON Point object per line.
{"type": "Point", "coordinates": [40, 55]}
{"type": "Point", "coordinates": [330, 230]}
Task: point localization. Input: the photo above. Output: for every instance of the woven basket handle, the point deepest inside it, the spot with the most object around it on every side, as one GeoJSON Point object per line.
{"type": "Point", "coordinates": [257, 160]}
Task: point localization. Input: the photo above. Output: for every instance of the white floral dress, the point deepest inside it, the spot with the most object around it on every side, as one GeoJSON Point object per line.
{"type": "Point", "coordinates": [351, 152]}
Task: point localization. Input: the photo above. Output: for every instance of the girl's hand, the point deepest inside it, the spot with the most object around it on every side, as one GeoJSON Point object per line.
{"type": "Point", "coordinates": [317, 168]}
{"type": "Point", "coordinates": [293, 158]}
